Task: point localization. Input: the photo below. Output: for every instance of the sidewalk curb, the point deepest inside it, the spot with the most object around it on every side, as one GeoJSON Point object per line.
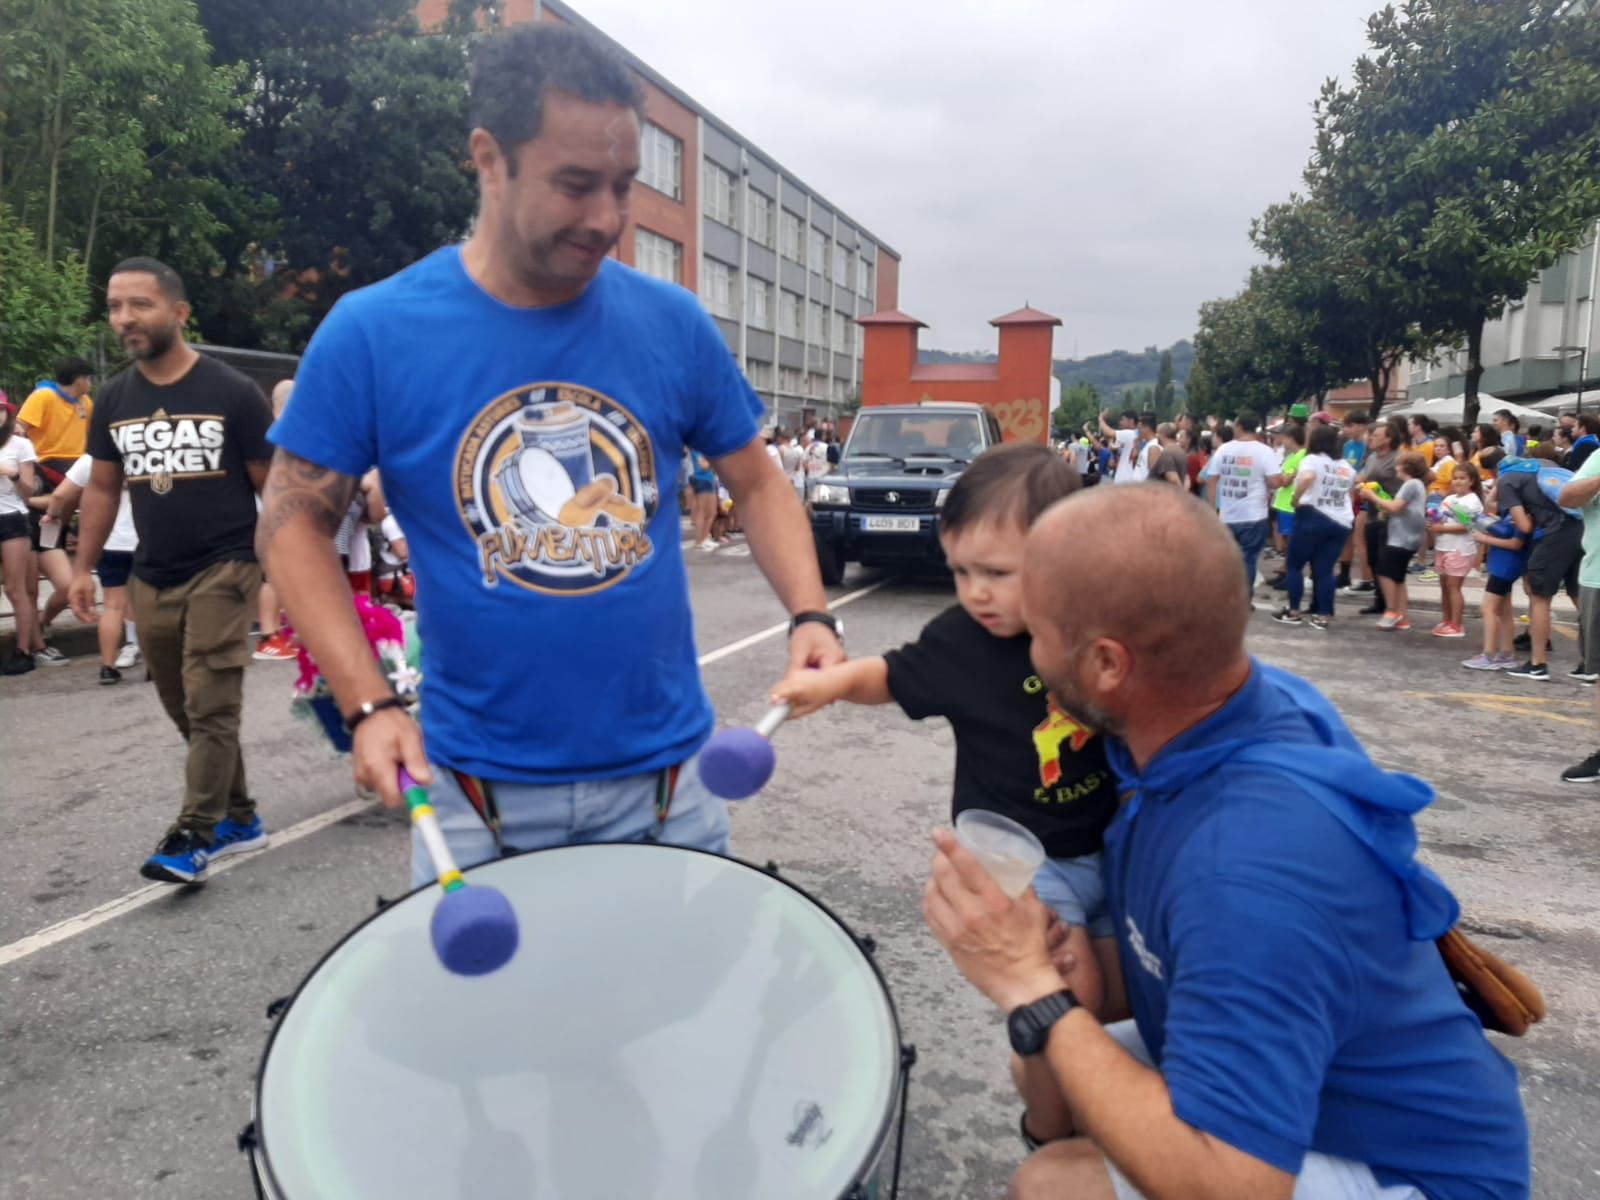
{"type": "Point", "coordinates": [75, 641]}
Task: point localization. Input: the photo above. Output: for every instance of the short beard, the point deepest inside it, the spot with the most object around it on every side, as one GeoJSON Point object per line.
{"type": "Point", "coordinates": [156, 344]}
{"type": "Point", "coordinates": [1091, 716]}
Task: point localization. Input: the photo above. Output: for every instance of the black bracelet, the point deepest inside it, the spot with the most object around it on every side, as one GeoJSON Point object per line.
{"type": "Point", "coordinates": [370, 707]}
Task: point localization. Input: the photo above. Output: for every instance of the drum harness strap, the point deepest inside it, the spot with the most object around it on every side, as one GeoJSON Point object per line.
{"type": "Point", "coordinates": [480, 794]}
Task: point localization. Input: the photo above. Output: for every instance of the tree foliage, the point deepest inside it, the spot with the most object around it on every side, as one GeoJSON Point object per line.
{"type": "Point", "coordinates": [44, 307]}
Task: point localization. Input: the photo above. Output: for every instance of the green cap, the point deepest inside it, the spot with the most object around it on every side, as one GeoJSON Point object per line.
{"type": "Point", "coordinates": [1299, 411]}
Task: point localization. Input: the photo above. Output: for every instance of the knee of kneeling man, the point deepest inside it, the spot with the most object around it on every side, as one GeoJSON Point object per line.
{"type": "Point", "coordinates": [1056, 1171]}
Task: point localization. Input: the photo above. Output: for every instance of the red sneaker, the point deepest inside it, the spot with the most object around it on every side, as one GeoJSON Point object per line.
{"type": "Point", "coordinates": [276, 648]}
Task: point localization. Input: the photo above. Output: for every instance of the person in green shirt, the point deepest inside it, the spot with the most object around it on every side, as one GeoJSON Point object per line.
{"type": "Point", "coordinates": [1292, 445]}
{"type": "Point", "coordinates": [1583, 492]}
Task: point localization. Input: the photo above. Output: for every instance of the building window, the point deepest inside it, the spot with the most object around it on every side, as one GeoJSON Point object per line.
{"type": "Point", "coordinates": [869, 280]}
{"type": "Point", "coordinates": [816, 324]}
{"type": "Point", "coordinates": [758, 217]}
{"type": "Point", "coordinates": [792, 230]}
{"type": "Point", "coordinates": [759, 374]}
{"type": "Point", "coordinates": [843, 327]}
{"type": "Point", "coordinates": [661, 161]}
{"type": "Point", "coordinates": [791, 380]}
{"type": "Point", "coordinates": [658, 256]}
{"type": "Point", "coordinates": [819, 252]}
{"type": "Point", "coordinates": [758, 303]}
{"type": "Point", "coordinates": [791, 310]}
{"type": "Point", "coordinates": [842, 259]}
{"type": "Point", "coordinates": [816, 385]}
{"type": "Point", "coordinates": [716, 288]}
{"type": "Point", "coordinates": [721, 195]}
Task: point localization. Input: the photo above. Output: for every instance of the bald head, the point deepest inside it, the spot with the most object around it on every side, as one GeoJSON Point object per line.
{"type": "Point", "coordinates": [1166, 583]}
{"type": "Point", "coordinates": [280, 395]}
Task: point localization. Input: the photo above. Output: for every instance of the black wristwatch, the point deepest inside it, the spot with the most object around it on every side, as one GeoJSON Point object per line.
{"type": "Point", "coordinates": [1029, 1026]}
{"type": "Point", "coordinates": [821, 618]}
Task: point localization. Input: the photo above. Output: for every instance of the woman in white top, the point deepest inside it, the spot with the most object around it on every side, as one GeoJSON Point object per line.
{"type": "Point", "coordinates": [18, 482]}
{"type": "Point", "coordinates": [116, 564]}
{"type": "Point", "coordinates": [1323, 518]}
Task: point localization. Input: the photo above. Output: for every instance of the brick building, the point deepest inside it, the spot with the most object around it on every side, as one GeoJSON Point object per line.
{"type": "Point", "coordinates": [1017, 387]}
{"type": "Point", "coordinates": [783, 271]}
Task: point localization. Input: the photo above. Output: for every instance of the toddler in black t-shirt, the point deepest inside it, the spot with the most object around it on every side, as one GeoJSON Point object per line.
{"type": "Point", "coordinates": [1016, 753]}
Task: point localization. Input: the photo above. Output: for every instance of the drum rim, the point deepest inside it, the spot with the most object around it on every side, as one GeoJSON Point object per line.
{"type": "Point", "coordinates": [886, 1124]}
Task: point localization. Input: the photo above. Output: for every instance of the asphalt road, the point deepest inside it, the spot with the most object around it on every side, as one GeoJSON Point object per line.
{"type": "Point", "coordinates": [129, 1047]}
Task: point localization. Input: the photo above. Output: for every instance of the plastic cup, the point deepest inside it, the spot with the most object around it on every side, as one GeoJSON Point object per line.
{"type": "Point", "coordinates": [1009, 852]}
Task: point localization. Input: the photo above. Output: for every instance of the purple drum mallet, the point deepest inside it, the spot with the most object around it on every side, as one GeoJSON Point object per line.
{"type": "Point", "coordinates": [737, 763]}
{"type": "Point", "coordinates": [474, 929]}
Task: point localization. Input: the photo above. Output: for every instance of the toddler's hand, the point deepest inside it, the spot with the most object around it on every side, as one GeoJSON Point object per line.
{"type": "Point", "coordinates": [807, 690]}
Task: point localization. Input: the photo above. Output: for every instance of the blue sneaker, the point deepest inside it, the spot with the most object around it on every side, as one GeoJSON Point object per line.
{"type": "Point", "coordinates": [230, 837]}
{"type": "Point", "coordinates": [181, 858]}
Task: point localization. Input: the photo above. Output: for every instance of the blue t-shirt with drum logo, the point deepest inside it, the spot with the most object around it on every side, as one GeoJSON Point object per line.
{"type": "Point", "coordinates": [531, 456]}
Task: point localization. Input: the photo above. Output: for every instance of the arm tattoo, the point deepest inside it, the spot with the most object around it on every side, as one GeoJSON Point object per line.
{"type": "Point", "coordinates": [295, 487]}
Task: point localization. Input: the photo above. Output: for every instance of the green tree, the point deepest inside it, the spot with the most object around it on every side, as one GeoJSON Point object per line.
{"type": "Point", "coordinates": [353, 125]}
{"type": "Point", "coordinates": [1080, 405]}
{"type": "Point", "coordinates": [44, 307]}
{"type": "Point", "coordinates": [1257, 350]}
{"type": "Point", "coordinates": [1165, 395]}
{"type": "Point", "coordinates": [111, 118]}
{"type": "Point", "coordinates": [1469, 141]}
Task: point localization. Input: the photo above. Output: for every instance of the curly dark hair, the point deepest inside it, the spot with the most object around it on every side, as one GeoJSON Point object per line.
{"type": "Point", "coordinates": [512, 70]}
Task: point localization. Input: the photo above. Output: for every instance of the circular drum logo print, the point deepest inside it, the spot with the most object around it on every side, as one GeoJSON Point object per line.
{"type": "Point", "coordinates": [557, 484]}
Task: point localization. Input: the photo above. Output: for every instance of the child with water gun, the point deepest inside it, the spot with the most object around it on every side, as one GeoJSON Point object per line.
{"type": "Point", "coordinates": [1455, 553]}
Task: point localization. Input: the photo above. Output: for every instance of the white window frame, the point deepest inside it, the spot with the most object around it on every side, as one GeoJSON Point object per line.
{"type": "Point", "coordinates": [792, 235]}
{"type": "Point", "coordinates": [791, 314]}
{"type": "Point", "coordinates": [661, 161]}
{"type": "Point", "coordinates": [758, 217]}
{"type": "Point", "coordinates": [791, 380]}
{"type": "Point", "coordinates": [721, 194]}
{"type": "Point", "coordinates": [841, 264]}
{"type": "Point", "coordinates": [759, 374]}
{"type": "Point", "coordinates": [757, 303]}
{"type": "Point", "coordinates": [816, 323]}
{"type": "Point", "coordinates": [817, 251]}
{"type": "Point", "coordinates": [867, 277]}
{"type": "Point", "coordinates": [717, 287]}
{"type": "Point", "coordinates": [657, 256]}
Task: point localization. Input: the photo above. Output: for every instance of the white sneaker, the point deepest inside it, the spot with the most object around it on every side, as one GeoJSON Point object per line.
{"type": "Point", "coordinates": [50, 657]}
{"type": "Point", "coordinates": [129, 657]}
{"type": "Point", "coordinates": [709, 544]}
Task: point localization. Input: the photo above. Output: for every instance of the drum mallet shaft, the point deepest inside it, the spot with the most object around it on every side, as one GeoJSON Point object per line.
{"type": "Point", "coordinates": [737, 763]}
{"type": "Point", "coordinates": [474, 929]}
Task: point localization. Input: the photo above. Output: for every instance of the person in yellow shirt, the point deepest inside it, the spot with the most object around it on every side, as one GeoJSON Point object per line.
{"type": "Point", "coordinates": [1422, 430]}
{"type": "Point", "coordinates": [55, 417]}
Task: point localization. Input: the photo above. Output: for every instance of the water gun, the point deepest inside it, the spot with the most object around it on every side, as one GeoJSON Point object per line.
{"type": "Point", "coordinates": [1377, 489]}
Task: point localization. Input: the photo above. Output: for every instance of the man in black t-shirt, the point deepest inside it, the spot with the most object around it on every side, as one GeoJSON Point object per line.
{"type": "Point", "coordinates": [188, 436]}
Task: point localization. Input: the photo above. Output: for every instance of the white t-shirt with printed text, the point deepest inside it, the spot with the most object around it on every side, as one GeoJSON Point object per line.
{"type": "Point", "coordinates": [1133, 459]}
{"type": "Point", "coordinates": [1241, 470]}
{"type": "Point", "coordinates": [16, 451]}
{"type": "Point", "coordinates": [1329, 492]}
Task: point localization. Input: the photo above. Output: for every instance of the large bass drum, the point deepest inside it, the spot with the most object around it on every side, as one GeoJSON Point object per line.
{"type": "Point", "coordinates": [675, 1025]}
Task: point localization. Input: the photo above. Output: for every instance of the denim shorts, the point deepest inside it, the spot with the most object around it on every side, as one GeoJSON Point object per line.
{"type": "Point", "coordinates": [1075, 888]}
{"type": "Point", "coordinates": [538, 816]}
{"type": "Point", "coordinates": [1322, 1176]}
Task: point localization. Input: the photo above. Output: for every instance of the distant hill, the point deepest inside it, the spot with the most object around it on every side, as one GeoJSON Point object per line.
{"type": "Point", "coordinates": [1111, 373]}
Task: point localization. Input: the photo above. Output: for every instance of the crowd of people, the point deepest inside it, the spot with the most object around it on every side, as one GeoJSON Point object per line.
{"type": "Point", "coordinates": [1224, 982]}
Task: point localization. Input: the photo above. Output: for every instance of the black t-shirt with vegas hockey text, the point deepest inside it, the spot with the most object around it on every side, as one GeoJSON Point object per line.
{"type": "Point", "coordinates": [183, 449]}
{"type": "Point", "coordinates": [1017, 754]}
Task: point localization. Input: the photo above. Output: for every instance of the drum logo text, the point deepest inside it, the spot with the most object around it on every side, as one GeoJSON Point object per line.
{"type": "Point", "coordinates": [808, 1131]}
{"type": "Point", "coordinates": [557, 485]}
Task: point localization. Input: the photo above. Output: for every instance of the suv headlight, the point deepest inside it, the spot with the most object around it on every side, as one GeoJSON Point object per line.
{"type": "Point", "coordinates": [938, 500]}
{"type": "Point", "coordinates": [830, 493]}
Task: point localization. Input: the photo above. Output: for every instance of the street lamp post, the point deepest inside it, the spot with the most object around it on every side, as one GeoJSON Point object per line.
{"type": "Point", "coordinates": [1583, 366]}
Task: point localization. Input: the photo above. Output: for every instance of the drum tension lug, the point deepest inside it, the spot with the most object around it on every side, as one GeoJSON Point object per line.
{"type": "Point", "coordinates": [275, 1009]}
{"type": "Point", "coordinates": [247, 1138]}
{"type": "Point", "coordinates": [382, 902]}
{"type": "Point", "coordinates": [908, 1057]}
{"type": "Point", "coordinates": [868, 944]}
{"type": "Point", "coordinates": [859, 1192]}
{"type": "Point", "coordinates": [771, 868]}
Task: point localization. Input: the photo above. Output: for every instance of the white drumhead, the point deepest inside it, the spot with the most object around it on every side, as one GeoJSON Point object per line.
{"type": "Point", "coordinates": [545, 480]}
{"type": "Point", "coordinates": [674, 1025]}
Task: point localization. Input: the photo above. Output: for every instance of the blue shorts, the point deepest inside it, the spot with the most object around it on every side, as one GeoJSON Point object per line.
{"type": "Point", "coordinates": [538, 816]}
{"type": "Point", "coordinates": [114, 568]}
{"type": "Point", "coordinates": [1075, 888]}
{"type": "Point", "coordinates": [1285, 522]}
{"type": "Point", "coordinates": [702, 487]}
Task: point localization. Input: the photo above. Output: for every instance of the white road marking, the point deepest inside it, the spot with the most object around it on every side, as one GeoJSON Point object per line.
{"type": "Point", "coordinates": [111, 909]}
{"type": "Point", "coordinates": [85, 921]}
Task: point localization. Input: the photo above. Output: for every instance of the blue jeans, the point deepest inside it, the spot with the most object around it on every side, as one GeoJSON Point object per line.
{"type": "Point", "coordinates": [1318, 539]}
{"type": "Point", "coordinates": [1075, 888]}
{"type": "Point", "coordinates": [1251, 536]}
{"type": "Point", "coordinates": [538, 816]}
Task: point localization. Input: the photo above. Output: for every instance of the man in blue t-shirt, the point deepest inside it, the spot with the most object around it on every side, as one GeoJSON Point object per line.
{"type": "Point", "coordinates": [527, 401]}
{"type": "Point", "coordinates": [1294, 1029]}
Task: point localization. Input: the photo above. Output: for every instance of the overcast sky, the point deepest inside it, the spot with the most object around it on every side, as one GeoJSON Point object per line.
{"type": "Point", "coordinates": [1101, 161]}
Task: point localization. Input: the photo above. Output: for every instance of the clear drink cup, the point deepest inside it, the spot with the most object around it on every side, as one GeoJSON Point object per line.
{"type": "Point", "coordinates": [1007, 851]}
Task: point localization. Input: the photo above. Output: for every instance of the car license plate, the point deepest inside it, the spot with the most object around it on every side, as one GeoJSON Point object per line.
{"type": "Point", "coordinates": [890, 524]}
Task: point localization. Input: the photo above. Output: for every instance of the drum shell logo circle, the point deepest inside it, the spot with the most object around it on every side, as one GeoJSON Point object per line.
{"type": "Point", "coordinates": [557, 485]}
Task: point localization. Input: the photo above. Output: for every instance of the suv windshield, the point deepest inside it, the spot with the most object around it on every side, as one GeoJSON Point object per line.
{"type": "Point", "coordinates": [922, 435]}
